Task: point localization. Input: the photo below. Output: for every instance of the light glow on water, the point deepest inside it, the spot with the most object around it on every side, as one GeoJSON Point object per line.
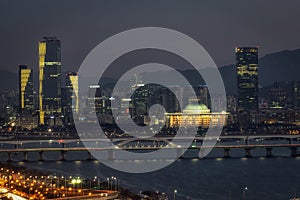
{"type": "Point", "coordinates": [208, 174]}
{"type": "Point", "coordinates": [77, 162]}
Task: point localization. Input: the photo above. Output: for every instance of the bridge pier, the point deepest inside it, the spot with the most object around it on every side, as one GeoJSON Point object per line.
{"type": "Point", "coordinates": [291, 141]}
{"type": "Point", "coordinates": [294, 152]}
{"type": "Point", "coordinates": [63, 155]}
{"type": "Point", "coordinates": [269, 152]}
{"type": "Point", "coordinates": [41, 156]}
{"type": "Point", "coordinates": [180, 153]}
{"type": "Point", "coordinates": [227, 153]}
{"type": "Point", "coordinates": [111, 154]}
{"type": "Point", "coordinates": [25, 156]}
{"type": "Point", "coordinates": [248, 152]}
{"type": "Point", "coordinates": [9, 157]}
{"type": "Point", "coordinates": [64, 145]}
{"type": "Point", "coordinates": [90, 157]}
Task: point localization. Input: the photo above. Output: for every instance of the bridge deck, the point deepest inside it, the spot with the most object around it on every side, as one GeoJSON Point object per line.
{"type": "Point", "coordinates": [149, 148]}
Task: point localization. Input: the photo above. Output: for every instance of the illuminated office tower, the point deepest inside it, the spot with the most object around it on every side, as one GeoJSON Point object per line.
{"type": "Point", "coordinates": [49, 79]}
{"type": "Point", "coordinates": [247, 80]}
{"type": "Point", "coordinates": [247, 77]}
{"type": "Point", "coordinates": [94, 101]}
{"type": "Point", "coordinates": [70, 99]}
{"type": "Point", "coordinates": [72, 86]}
{"type": "Point", "coordinates": [25, 89]}
{"type": "Point", "coordinates": [27, 117]}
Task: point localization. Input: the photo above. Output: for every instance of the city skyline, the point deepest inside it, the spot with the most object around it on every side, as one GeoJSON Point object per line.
{"type": "Point", "coordinates": [50, 70]}
{"type": "Point", "coordinates": [156, 100]}
{"type": "Point", "coordinates": [247, 100]}
{"type": "Point", "coordinates": [61, 112]}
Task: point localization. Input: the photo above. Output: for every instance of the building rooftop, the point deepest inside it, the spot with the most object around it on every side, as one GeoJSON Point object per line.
{"type": "Point", "coordinates": [195, 109]}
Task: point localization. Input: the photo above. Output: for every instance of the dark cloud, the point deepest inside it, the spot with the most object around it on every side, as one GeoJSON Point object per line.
{"type": "Point", "coordinates": [218, 25]}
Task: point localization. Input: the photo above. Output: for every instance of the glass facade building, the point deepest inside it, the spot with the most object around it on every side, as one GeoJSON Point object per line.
{"type": "Point", "coordinates": [49, 79]}
{"type": "Point", "coordinates": [70, 101]}
{"type": "Point", "coordinates": [26, 100]}
{"type": "Point", "coordinates": [247, 78]}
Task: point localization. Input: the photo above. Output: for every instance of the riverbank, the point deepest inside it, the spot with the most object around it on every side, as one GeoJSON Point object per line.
{"type": "Point", "coordinates": [41, 184]}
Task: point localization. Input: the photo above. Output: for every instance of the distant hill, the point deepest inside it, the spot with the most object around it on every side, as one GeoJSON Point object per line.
{"type": "Point", "coordinates": [280, 66]}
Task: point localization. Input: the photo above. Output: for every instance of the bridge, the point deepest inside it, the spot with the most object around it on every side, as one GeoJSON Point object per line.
{"type": "Point", "coordinates": [178, 149]}
{"type": "Point", "coordinates": [245, 138]}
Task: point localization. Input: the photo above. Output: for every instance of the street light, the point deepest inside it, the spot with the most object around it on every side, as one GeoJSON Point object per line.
{"type": "Point", "coordinates": [107, 179]}
{"type": "Point", "coordinates": [76, 182]}
{"type": "Point", "coordinates": [244, 193]}
{"type": "Point", "coordinates": [111, 182]}
{"type": "Point", "coordinates": [175, 191]}
{"type": "Point", "coordinates": [116, 185]}
{"type": "Point", "coordinates": [98, 183]}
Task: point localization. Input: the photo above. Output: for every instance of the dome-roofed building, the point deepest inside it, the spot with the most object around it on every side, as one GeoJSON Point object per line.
{"type": "Point", "coordinates": [196, 115]}
{"type": "Point", "coordinates": [195, 109]}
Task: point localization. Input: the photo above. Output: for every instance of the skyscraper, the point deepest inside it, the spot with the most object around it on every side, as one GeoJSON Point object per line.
{"type": "Point", "coordinates": [26, 102]}
{"type": "Point", "coordinates": [247, 77]}
{"type": "Point", "coordinates": [49, 79]}
{"type": "Point", "coordinates": [70, 101]}
{"type": "Point", "coordinates": [72, 86]}
{"type": "Point", "coordinates": [94, 102]}
{"type": "Point", "coordinates": [27, 117]}
{"type": "Point", "coordinates": [247, 81]}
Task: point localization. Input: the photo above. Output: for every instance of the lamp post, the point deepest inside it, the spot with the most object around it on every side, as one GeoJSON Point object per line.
{"type": "Point", "coordinates": [244, 193]}
{"type": "Point", "coordinates": [111, 182]}
{"type": "Point", "coordinates": [115, 182]}
{"type": "Point", "coordinates": [98, 183]}
{"type": "Point", "coordinates": [107, 183]}
{"type": "Point", "coordinates": [77, 182]}
{"type": "Point", "coordinates": [118, 185]}
{"type": "Point", "coordinates": [175, 192]}
{"type": "Point", "coordinates": [65, 179]}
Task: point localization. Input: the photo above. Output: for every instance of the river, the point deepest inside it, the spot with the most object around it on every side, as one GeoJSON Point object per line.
{"type": "Point", "coordinates": [211, 178]}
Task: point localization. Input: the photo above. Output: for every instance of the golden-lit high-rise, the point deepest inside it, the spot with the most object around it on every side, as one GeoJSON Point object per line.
{"type": "Point", "coordinates": [26, 102]}
{"type": "Point", "coordinates": [49, 79]}
{"type": "Point", "coordinates": [70, 99]}
{"type": "Point", "coordinates": [73, 78]}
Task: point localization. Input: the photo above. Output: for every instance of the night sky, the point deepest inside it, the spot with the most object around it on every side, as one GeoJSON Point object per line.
{"type": "Point", "coordinates": [219, 26]}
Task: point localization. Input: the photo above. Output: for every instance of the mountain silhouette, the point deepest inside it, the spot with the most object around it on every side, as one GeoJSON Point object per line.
{"type": "Point", "coordinates": [280, 66]}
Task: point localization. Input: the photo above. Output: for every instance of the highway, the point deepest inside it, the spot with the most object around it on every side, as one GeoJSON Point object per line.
{"type": "Point", "coordinates": [169, 138]}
